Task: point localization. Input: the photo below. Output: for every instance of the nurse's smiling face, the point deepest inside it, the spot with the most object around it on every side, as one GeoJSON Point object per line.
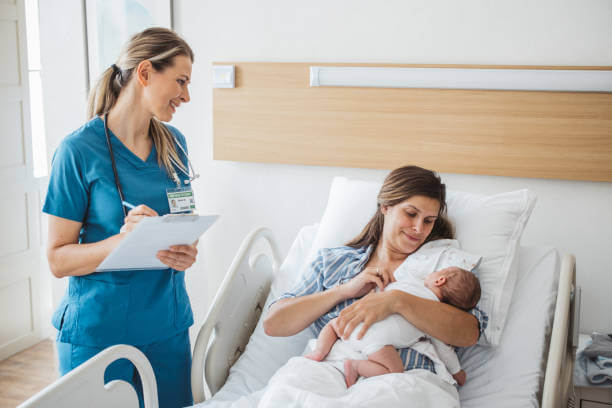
{"type": "Point", "coordinates": [165, 90]}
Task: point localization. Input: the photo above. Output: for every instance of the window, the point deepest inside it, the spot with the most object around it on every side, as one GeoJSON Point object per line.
{"type": "Point", "coordinates": [39, 145]}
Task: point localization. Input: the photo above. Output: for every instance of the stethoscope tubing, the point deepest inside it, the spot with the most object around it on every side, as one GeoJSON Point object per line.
{"type": "Point", "coordinates": [112, 156]}
{"type": "Point", "coordinates": [174, 175]}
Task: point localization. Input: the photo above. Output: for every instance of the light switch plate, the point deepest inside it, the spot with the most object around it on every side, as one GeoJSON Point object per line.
{"type": "Point", "coordinates": [223, 76]}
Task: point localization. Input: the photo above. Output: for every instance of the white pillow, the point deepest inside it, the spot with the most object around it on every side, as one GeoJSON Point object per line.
{"type": "Point", "coordinates": [488, 225]}
{"type": "Point", "coordinates": [492, 226]}
{"type": "Point", "coordinates": [289, 271]}
{"type": "Point", "coordinates": [350, 206]}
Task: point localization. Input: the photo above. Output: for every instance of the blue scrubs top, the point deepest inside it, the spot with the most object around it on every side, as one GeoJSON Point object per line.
{"type": "Point", "coordinates": [134, 307]}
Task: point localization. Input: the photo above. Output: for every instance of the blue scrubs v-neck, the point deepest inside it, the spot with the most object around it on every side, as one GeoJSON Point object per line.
{"type": "Point", "coordinates": [100, 309]}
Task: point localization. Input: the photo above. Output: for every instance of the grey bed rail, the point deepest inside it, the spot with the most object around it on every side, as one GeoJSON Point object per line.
{"type": "Point", "coordinates": [84, 386]}
{"type": "Point", "coordinates": [234, 312]}
{"type": "Point", "coordinates": [561, 353]}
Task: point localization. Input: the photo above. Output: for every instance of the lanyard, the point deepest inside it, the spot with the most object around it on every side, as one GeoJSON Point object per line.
{"type": "Point", "coordinates": [112, 156]}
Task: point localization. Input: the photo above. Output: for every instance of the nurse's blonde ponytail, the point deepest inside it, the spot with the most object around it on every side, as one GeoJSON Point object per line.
{"type": "Point", "coordinates": [159, 46]}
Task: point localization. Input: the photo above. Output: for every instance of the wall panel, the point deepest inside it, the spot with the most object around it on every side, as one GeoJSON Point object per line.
{"type": "Point", "coordinates": [273, 116]}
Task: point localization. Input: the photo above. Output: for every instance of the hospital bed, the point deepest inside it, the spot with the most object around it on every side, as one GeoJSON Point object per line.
{"type": "Point", "coordinates": [532, 366]}
{"type": "Point", "coordinates": [233, 359]}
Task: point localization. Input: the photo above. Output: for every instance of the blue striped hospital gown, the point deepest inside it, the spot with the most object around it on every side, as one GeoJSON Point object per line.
{"type": "Point", "coordinates": [334, 266]}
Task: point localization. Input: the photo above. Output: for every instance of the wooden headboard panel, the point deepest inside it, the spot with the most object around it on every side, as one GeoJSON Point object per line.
{"type": "Point", "coordinates": [274, 116]}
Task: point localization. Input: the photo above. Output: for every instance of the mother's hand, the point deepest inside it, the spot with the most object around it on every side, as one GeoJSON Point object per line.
{"type": "Point", "coordinates": [372, 308]}
{"type": "Point", "coordinates": [179, 257]}
{"type": "Point", "coordinates": [366, 280]}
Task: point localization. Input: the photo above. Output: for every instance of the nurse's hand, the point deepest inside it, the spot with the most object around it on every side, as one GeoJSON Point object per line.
{"type": "Point", "coordinates": [179, 257]}
{"type": "Point", "coordinates": [135, 215]}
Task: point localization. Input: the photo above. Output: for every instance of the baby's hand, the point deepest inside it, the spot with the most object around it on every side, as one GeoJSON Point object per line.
{"type": "Point", "coordinates": [460, 377]}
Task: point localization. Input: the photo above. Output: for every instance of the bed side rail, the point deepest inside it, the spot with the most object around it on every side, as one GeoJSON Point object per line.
{"type": "Point", "coordinates": [561, 354]}
{"type": "Point", "coordinates": [84, 386]}
{"type": "Point", "coordinates": [234, 312]}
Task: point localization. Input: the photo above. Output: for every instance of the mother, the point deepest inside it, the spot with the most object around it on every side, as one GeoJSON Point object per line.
{"type": "Point", "coordinates": [410, 212]}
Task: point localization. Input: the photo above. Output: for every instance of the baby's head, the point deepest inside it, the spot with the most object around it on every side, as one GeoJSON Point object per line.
{"type": "Point", "coordinates": [455, 286]}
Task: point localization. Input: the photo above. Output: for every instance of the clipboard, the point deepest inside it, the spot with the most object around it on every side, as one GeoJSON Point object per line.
{"type": "Point", "coordinates": [152, 234]}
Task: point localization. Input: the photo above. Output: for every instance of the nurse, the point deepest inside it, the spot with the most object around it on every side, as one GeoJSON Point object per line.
{"type": "Point", "coordinates": [125, 154]}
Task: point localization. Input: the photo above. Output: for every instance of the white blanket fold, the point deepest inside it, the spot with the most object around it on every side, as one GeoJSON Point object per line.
{"type": "Point", "coordinates": [306, 383]}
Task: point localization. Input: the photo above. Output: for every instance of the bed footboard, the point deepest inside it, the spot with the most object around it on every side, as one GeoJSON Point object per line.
{"type": "Point", "coordinates": [561, 354]}
{"type": "Point", "coordinates": [234, 313]}
{"type": "Point", "coordinates": [84, 386]}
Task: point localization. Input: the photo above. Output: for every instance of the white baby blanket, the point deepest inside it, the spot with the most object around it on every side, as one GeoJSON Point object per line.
{"type": "Point", "coordinates": [305, 383]}
{"type": "Point", "coordinates": [309, 384]}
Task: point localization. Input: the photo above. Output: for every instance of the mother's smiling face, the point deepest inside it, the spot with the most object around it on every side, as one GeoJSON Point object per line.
{"type": "Point", "coordinates": [411, 206]}
{"type": "Point", "coordinates": [408, 223]}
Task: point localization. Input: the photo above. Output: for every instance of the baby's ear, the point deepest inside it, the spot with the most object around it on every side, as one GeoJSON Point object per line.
{"type": "Point", "coordinates": [440, 281]}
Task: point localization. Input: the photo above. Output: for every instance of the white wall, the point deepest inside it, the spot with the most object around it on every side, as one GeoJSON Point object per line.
{"type": "Point", "coordinates": [573, 216]}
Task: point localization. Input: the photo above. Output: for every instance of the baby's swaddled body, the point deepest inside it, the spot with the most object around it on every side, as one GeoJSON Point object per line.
{"type": "Point", "coordinates": [410, 277]}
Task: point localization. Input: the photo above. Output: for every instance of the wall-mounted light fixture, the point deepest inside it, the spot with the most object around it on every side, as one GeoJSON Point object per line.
{"type": "Point", "coordinates": [464, 78]}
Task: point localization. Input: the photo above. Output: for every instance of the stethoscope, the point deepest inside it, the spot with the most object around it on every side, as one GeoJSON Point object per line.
{"type": "Point", "coordinates": [174, 176]}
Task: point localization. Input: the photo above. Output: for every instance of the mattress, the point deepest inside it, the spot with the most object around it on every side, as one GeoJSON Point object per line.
{"type": "Point", "coordinates": [512, 374]}
{"type": "Point", "coordinates": [508, 375]}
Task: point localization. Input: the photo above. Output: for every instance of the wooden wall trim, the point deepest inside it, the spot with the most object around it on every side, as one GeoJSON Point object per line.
{"type": "Point", "coordinates": [273, 116]}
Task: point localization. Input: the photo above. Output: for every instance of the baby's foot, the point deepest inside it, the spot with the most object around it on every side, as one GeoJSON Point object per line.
{"type": "Point", "coordinates": [350, 373]}
{"type": "Point", "coordinates": [315, 355]}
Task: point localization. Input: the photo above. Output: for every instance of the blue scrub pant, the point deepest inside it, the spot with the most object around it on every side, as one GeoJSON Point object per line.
{"type": "Point", "coordinates": [170, 358]}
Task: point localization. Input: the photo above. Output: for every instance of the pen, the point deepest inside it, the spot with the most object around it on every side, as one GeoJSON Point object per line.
{"type": "Point", "coordinates": [128, 205]}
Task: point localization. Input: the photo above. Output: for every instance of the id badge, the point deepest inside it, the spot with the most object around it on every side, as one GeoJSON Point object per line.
{"type": "Point", "coordinates": [180, 200]}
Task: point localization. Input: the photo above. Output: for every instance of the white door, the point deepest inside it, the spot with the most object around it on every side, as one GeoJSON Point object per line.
{"type": "Point", "coordinates": [19, 198]}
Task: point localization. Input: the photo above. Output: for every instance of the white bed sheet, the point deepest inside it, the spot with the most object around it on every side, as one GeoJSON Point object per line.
{"type": "Point", "coordinates": [514, 371]}
{"type": "Point", "coordinates": [507, 375]}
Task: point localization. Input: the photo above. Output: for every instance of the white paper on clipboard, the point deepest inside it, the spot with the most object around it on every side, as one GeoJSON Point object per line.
{"type": "Point", "coordinates": [152, 234]}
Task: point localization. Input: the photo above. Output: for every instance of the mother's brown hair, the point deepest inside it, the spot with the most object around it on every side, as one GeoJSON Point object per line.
{"type": "Point", "coordinates": [400, 185]}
